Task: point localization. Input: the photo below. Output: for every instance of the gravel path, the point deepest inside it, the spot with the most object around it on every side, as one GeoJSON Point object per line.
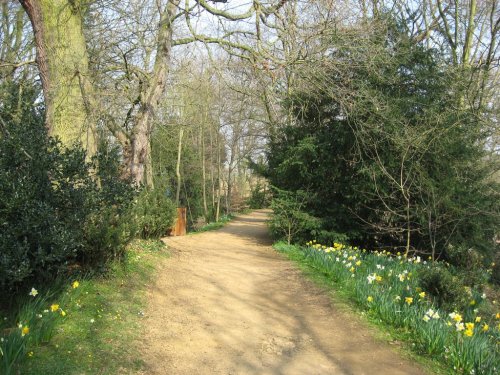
{"type": "Point", "coordinates": [227, 303]}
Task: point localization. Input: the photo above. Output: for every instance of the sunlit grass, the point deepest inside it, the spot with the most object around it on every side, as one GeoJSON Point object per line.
{"type": "Point", "coordinates": [223, 220]}
{"type": "Point", "coordinates": [95, 322]}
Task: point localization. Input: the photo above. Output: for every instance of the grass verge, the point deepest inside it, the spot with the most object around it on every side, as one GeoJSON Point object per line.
{"type": "Point", "coordinates": [101, 322]}
{"type": "Point", "coordinates": [223, 220]}
{"type": "Point", "coordinates": [391, 300]}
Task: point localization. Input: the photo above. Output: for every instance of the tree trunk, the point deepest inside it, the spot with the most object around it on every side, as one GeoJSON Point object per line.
{"type": "Point", "coordinates": [212, 172]}
{"type": "Point", "coordinates": [178, 168]}
{"type": "Point", "coordinates": [140, 158]}
{"type": "Point", "coordinates": [469, 34]}
{"type": "Point", "coordinates": [204, 173]}
{"type": "Point", "coordinates": [219, 180]}
{"type": "Point", "coordinates": [229, 189]}
{"type": "Point", "coordinates": [63, 64]}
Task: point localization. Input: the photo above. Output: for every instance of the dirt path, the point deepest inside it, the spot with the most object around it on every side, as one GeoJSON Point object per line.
{"type": "Point", "coordinates": [227, 303]}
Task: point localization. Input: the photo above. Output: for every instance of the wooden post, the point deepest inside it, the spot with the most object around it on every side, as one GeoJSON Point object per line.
{"type": "Point", "coordinates": [179, 228]}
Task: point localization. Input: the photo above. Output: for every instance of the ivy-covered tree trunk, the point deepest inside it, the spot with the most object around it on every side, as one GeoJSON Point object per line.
{"type": "Point", "coordinates": [63, 64]}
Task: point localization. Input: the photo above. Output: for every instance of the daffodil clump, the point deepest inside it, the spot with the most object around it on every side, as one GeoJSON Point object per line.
{"type": "Point", "coordinates": [387, 285]}
{"type": "Point", "coordinates": [35, 325]}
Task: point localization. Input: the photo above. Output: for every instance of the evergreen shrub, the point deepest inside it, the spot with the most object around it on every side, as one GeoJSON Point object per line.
{"type": "Point", "coordinates": [153, 213]}
{"type": "Point", "coordinates": [57, 211]}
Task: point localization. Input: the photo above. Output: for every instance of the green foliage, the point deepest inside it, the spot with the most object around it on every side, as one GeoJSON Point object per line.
{"type": "Point", "coordinates": [468, 265]}
{"type": "Point", "coordinates": [259, 197]}
{"type": "Point", "coordinates": [38, 211]}
{"type": "Point", "coordinates": [450, 287]}
{"type": "Point", "coordinates": [223, 220]}
{"type": "Point", "coordinates": [386, 151]}
{"type": "Point", "coordinates": [164, 145]}
{"type": "Point", "coordinates": [108, 228]}
{"type": "Point", "coordinates": [329, 236]}
{"type": "Point", "coordinates": [446, 290]}
{"type": "Point", "coordinates": [288, 219]}
{"type": "Point", "coordinates": [57, 211]}
{"type": "Point", "coordinates": [153, 213]}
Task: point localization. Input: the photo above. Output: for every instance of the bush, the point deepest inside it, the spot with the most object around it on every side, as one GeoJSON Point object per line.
{"type": "Point", "coordinates": [329, 237]}
{"type": "Point", "coordinates": [53, 213]}
{"type": "Point", "coordinates": [259, 197]}
{"type": "Point", "coordinates": [108, 228]}
{"type": "Point", "coordinates": [153, 213]}
{"type": "Point", "coordinates": [44, 195]}
{"type": "Point", "coordinates": [396, 156]}
{"type": "Point", "coordinates": [288, 220]}
{"type": "Point", "coordinates": [469, 265]}
{"type": "Point", "coordinates": [445, 288]}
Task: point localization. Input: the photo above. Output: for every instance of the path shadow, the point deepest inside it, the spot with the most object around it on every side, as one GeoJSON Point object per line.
{"type": "Point", "coordinates": [252, 229]}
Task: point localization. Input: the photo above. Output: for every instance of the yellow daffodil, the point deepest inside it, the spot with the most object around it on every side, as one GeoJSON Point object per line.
{"type": "Point", "coordinates": [468, 332]}
{"type": "Point", "coordinates": [456, 317]}
{"type": "Point", "coordinates": [422, 294]}
{"type": "Point", "coordinates": [25, 331]}
{"type": "Point", "coordinates": [469, 326]}
{"type": "Point", "coordinates": [378, 278]}
{"type": "Point", "coordinates": [370, 299]}
{"type": "Point", "coordinates": [75, 284]}
{"type": "Point", "coordinates": [54, 307]}
{"type": "Point", "coordinates": [497, 315]}
{"type": "Point", "coordinates": [472, 303]}
{"type": "Point", "coordinates": [486, 327]}
{"type": "Point", "coordinates": [478, 319]}
{"type": "Point", "coordinates": [409, 300]}
{"type": "Point", "coordinates": [358, 263]}
{"type": "Point", "coordinates": [63, 313]}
